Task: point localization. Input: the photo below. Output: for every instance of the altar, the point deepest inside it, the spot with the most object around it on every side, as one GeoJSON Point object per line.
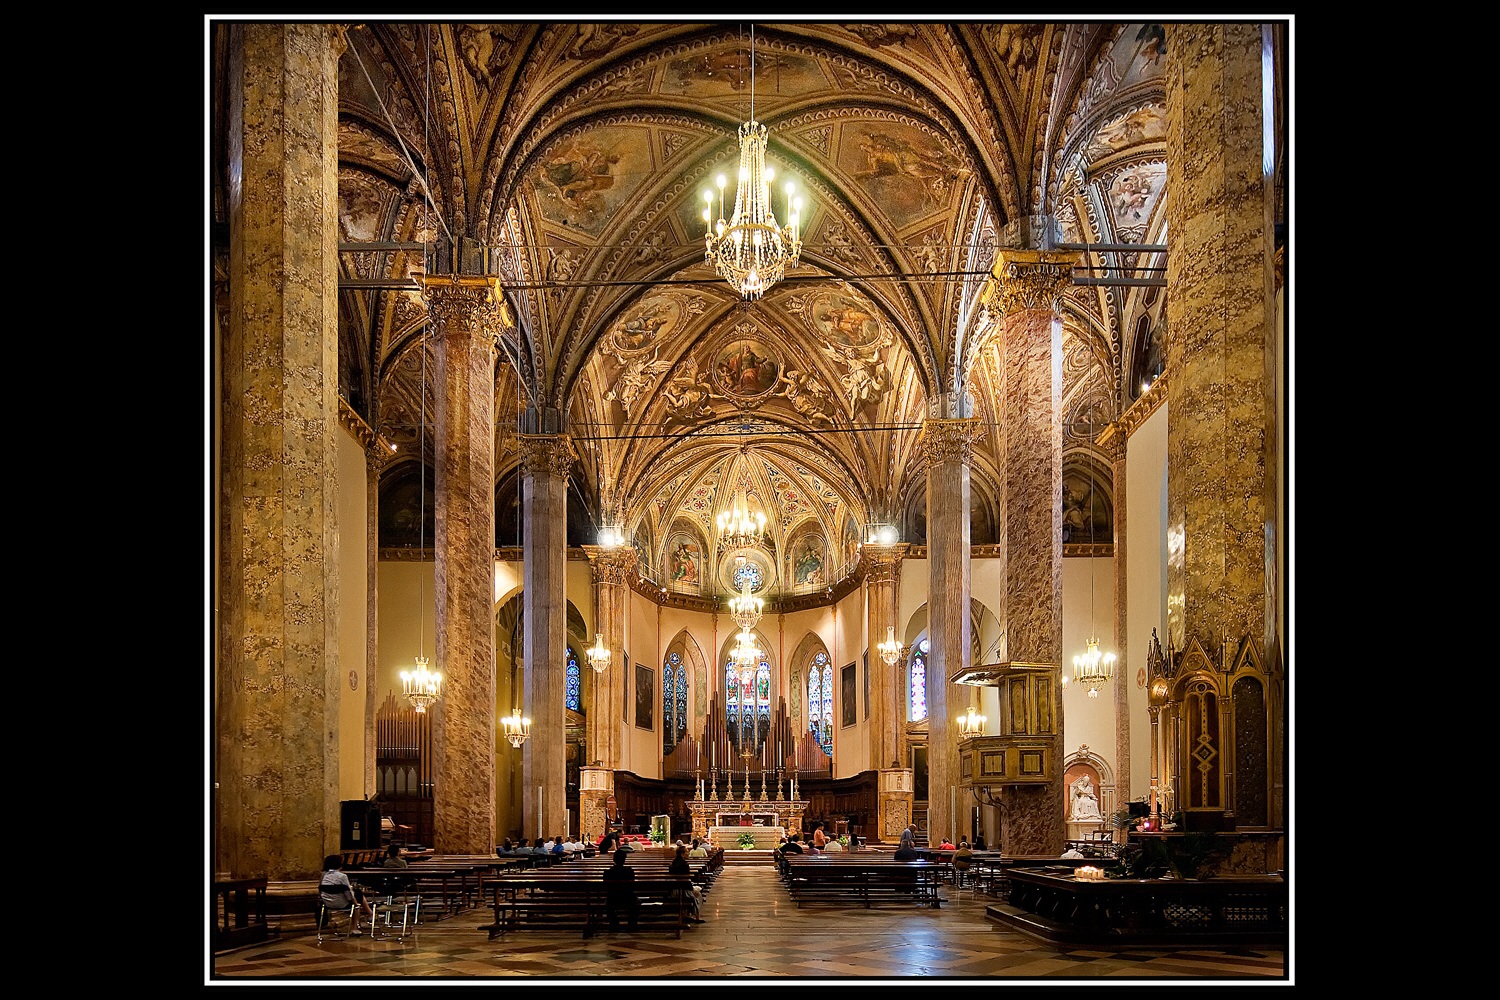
{"type": "Point", "coordinates": [723, 820]}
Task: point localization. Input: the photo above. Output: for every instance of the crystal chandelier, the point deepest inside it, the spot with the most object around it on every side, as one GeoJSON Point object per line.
{"type": "Point", "coordinates": [890, 650]}
{"type": "Point", "coordinates": [516, 729]}
{"type": "Point", "coordinates": [738, 527]}
{"type": "Point", "coordinates": [746, 652]}
{"type": "Point", "coordinates": [745, 609]}
{"type": "Point", "coordinates": [422, 686]}
{"type": "Point", "coordinates": [751, 251]}
{"type": "Point", "coordinates": [1092, 668]}
{"type": "Point", "coordinates": [598, 654]}
{"type": "Point", "coordinates": [971, 723]}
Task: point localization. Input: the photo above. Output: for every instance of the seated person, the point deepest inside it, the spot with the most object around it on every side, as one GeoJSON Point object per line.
{"type": "Point", "coordinates": [963, 860]}
{"type": "Point", "coordinates": [557, 847]}
{"type": "Point", "coordinates": [833, 845]}
{"type": "Point", "coordinates": [619, 895]}
{"type": "Point", "coordinates": [907, 849]}
{"type": "Point", "coordinates": [946, 845]}
{"type": "Point", "coordinates": [791, 846]}
{"type": "Point", "coordinates": [506, 849]}
{"type": "Point", "coordinates": [698, 850]}
{"type": "Point", "coordinates": [979, 842]}
{"type": "Point", "coordinates": [393, 858]}
{"type": "Point", "coordinates": [680, 866]}
{"type": "Point", "coordinates": [337, 893]}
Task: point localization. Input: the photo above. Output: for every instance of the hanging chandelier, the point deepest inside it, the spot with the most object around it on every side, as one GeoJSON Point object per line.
{"type": "Point", "coordinates": [752, 251]}
{"type": "Point", "coordinates": [517, 730]}
{"type": "Point", "coordinates": [598, 654]}
{"type": "Point", "coordinates": [422, 686]}
{"type": "Point", "coordinates": [1092, 668]}
{"type": "Point", "coordinates": [890, 650]}
{"type": "Point", "coordinates": [971, 723]}
{"type": "Point", "coordinates": [745, 609]}
{"type": "Point", "coordinates": [746, 651]}
{"type": "Point", "coordinates": [738, 527]}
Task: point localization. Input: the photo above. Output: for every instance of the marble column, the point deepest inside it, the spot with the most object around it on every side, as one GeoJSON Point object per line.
{"type": "Point", "coordinates": [882, 572]}
{"type": "Point", "coordinates": [545, 461]}
{"type": "Point", "coordinates": [376, 456]}
{"type": "Point", "coordinates": [1114, 440]}
{"type": "Point", "coordinates": [1030, 425]}
{"type": "Point", "coordinates": [278, 678]}
{"type": "Point", "coordinates": [612, 569]}
{"type": "Point", "coordinates": [466, 313]}
{"type": "Point", "coordinates": [949, 444]}
{"type": "Point", "coordinates": [1220, 202]}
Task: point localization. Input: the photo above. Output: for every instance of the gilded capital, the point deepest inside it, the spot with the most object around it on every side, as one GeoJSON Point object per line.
{"type": "Point", "coordinates": [465, 305]}
{"type": "Point", "coordinates": [1030, 279]}
{"type": "Point", "coordinates": [951, 439]}
{"type": "Point", "coordinates": [882, 561]}
{"type": "Point", "coordinates": [615, 565]}
{"type": "Point", "coordinates": [547, 455]}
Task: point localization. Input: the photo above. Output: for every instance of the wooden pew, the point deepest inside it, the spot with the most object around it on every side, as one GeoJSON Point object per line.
{"type": "Point", "coordinates": [579, 899]}
{"type": "Point", "coordinates": [820, 878]}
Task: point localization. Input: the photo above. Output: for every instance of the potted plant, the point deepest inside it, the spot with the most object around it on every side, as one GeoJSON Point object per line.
{"type": "Point", "coordinates": [659, 837]}
{"type": "Point", "coordinates": [747, 841]}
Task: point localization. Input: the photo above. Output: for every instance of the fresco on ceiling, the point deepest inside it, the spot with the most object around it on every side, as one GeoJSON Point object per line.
{"type": "Point", "coordinates": [597, 39]}
{"type": "Point", "coordinates": [1016, 46]}
{"type": "Point", "coordinates": [485, 49]}
{"type": "Point", "coordinates": [1083, 512]}
{"type": "Point", "coordinates": [1140, 54]}
{"type": "Point", "coordinates": [746, 370]}
{"type": "Point", "coordinates": [726, 71]}
{"type": "Point", "coordinates": [849, 546]}
{"type": "Point", "coordinates": [632, 349]}
{"type": "Point", "coordinates": [809, 553]}
{"type": "Point", "coordinates": [684, 562]}
{"type": "Point", "coordinates": [1148, 124]}
{"type": "Point", "coordinates": [852, 335]}
{"type": "Point", "coordinates": [362, 206]}
{"type": "Point", "coordinates": [905, 171]}
{"type": "Point", "coordinates": [579, 180]}
{"type": "Point", "coordinates": [1133, 192]}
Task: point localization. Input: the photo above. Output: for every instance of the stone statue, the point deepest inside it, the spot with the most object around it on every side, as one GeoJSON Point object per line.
{"type": "Point", "coordinates": [1084, 805]}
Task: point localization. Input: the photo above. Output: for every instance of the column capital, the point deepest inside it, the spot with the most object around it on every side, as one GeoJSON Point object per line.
{"type": "Point", "coordinates": [465, 305]}
{"type": "Point", "coordinates": [547, 454]}
{"type": "Point", "coordinates": [1030, 279]}
{"type": "Point", "coordinates": [882, 560]}
{"type": "Point", "coordinates": [945, 440]}
{"type": "Point", "coordinates": [613, 565]}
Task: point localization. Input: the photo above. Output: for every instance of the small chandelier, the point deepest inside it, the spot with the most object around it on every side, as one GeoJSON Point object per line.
{"type": "Point", "coordinates": [745, 609]}
{"type": "Point", "coordinates": [421, 686]}
{"type": "Point", "coordinates": [516, 729]}
{"type": "Point", "coordinates": [738, 528]}
{"type": "Point", "coordinates": [746, 652]}
{"type": "Point", "coordinates": [751, 251]}
{"type": "Point", "coordinates": [890, 650]}
{"type": "Point", "coordinates": [598, 654]}
{"type": "Point", "coordinates": [1092, 668]}
{"type": "Point", "coordinates": [971, 724]}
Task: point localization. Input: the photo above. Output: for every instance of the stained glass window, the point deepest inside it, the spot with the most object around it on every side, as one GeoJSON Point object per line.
{"type": "Point", "coordinates": [748, 572]}
{"type": "Point", "coordinates": [668, 686]}
{"type": "Point", "coordinates": [918, 696]}
{"type": "Point", "coordinates": [820, 701]}
{"type": "Point", "coordinates": [573, 682]}
{"type": "Point", "coordinates": [682, 709]}
{"type": "Point", "coordinates": [747, 705]}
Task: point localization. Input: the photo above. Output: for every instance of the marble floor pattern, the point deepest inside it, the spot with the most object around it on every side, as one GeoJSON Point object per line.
{"type": "Point", "coordinates": [753, 930]}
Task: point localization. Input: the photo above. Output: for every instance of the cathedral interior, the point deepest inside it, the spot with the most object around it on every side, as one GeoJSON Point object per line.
{"type": "Point", "coordinates": [489, 400]}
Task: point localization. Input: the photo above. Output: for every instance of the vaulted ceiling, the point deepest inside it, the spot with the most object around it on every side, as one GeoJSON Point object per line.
{"type": "Point", "coordinates": [571, 159]}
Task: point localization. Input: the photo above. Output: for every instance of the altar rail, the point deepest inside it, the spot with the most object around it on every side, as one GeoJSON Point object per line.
{"type": "Point", "coordinates": [1245, 910]}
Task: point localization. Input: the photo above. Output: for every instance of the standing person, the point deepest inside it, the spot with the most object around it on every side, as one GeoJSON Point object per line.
{"type": "Point", "coordinates": [819, 838]}
{"type": "Point", "coordinates": [619, 895]}
{"type": "Point", "coordinates": [609, 842]}
{"type": "Point", "coordinates": [336, 892]}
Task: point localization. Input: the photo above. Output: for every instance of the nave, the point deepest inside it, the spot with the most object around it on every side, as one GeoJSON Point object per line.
{"type": "Point", "coordinates": [753, 930]}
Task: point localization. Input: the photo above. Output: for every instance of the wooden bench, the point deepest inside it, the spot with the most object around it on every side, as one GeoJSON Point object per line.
{"type": "Point", "coordinates": [841, 880]}
{"type": "Point", "coordinates": [580, 900]}
{"type": "Point", "coordinates": [239, 912]}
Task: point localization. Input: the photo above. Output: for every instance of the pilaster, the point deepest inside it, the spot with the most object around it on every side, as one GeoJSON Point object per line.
{"type": "Point", "coordinates": [612, 570]}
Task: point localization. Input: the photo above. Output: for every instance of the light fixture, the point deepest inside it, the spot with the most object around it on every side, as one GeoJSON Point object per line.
{"type": "Point", "coordinates": [422, 686]}
{"type": "Point", "coordinates": [516, 729]}
{"type": "Point", "coordinates": [745, 609]}
{"type": "Point", "coordinates": [971, 723]}
{"type": "Point", "coordinates": [746, 652]}
{"type": "Point", "coordinates": [610, 537]}
{"type": "Point", "coordinates": [598, 654]}
{"type": "Point", "coordinates": [738, 527]}
{"type": "Point", "coordinates": [751, 251]}
{"type": "Point", "coordinates": [1092, 668]}
{"type": "Point", "coordinates": [890, 650]}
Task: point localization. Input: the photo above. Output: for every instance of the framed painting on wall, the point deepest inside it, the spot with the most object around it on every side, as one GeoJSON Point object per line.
{"type": "Point", "coordinates": [849, 695]}
{"type": "Point", "coordinates": [645, 696]}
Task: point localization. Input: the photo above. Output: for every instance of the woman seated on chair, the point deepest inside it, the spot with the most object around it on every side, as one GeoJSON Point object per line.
{"type": "Point", "coordinates": [336, 892]}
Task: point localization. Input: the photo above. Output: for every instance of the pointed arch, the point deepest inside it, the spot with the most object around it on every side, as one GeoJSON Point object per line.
{"type": "Point", "coordinates": [683, 689]}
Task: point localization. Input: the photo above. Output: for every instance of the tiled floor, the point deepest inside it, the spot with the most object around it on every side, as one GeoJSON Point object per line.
{"type": "Point", "coordinates": [753, 930]}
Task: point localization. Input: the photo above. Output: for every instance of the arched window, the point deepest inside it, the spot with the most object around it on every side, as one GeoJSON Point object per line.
{"type": "Point", "coordinates": [573, 681]}
{"type": "Point", "coordinates": [747, 705]}
{"type": "Point", "coordinates": [749, 573]}
{"type": "Point", "coordinates": [917, 694]}
{"type": "Point", "coordinates": [820, 701]}
{"type": "Point", "coordinates": [673, 701]}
